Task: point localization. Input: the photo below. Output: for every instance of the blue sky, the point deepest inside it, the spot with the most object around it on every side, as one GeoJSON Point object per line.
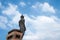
{"type": "Point", "coordinates": [42, 18]}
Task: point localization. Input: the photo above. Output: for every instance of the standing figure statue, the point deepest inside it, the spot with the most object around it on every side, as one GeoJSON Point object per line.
{"type": "Point", "coordinates": [22, 24]}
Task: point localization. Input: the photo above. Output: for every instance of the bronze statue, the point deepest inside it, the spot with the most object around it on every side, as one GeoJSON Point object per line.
{"type": "Point", "coordinates": [22, 24]}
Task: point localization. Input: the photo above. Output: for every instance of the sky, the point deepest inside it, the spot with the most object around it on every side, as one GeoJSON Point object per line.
{"type": "Point", "coordinates": [42, 18]}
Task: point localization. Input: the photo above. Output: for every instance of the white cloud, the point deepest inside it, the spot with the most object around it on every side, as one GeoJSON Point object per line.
{"type": "Point", "coordinates": [43, 7]}
{"type": "Point", "coordinates": [3, 19]}
{"type": "Point", "coordinates": [10, 10]}
{"type": "Point", "coordinates": [45, 28]}
{"type": "Point", "coordinates": [3, 22]}
{"type": "Point", "coordinates": [22, 4]}
{"type": "Point", "coordinates": [45, 19]}
{"type": "Point", "coordinates": [2, 26]}
{"type": "Point", "coordinates": [46, 7]}
{"type": "Point", "coordinates": [16, 18]}
{"type": "Point", "coordinates": [12, 14]}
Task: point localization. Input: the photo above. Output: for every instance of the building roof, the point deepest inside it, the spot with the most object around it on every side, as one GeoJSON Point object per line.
{"type": "Point", "coordinates": [14, 30]}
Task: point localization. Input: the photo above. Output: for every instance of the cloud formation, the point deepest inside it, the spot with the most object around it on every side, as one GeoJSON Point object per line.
{"type": "Point", "coordinates": [12, 15]}
{"type": "Point", "coordinates": [38, 27]}
{"type": "Point", "coordinates": [44, 27]}
{"type": "Point", "coordinates": [3, 22]}
{"type": "Point", "coordinates": [10, 10]}
{"type": "Point", "coordinates": [22, 4]}
{"type": "Point", "coordinates": [43, 7]}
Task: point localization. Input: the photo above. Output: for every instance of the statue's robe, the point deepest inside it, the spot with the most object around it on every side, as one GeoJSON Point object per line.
{"type": "Point", "coordinates": [22, 25]}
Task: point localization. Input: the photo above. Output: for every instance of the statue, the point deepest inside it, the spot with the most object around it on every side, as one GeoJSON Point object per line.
{"type": "Point", "coordinates": [22, 25]}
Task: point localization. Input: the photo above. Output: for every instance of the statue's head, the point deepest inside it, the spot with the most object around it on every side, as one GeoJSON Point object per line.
{"type": "Point", "coordinates": [22, 16]}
